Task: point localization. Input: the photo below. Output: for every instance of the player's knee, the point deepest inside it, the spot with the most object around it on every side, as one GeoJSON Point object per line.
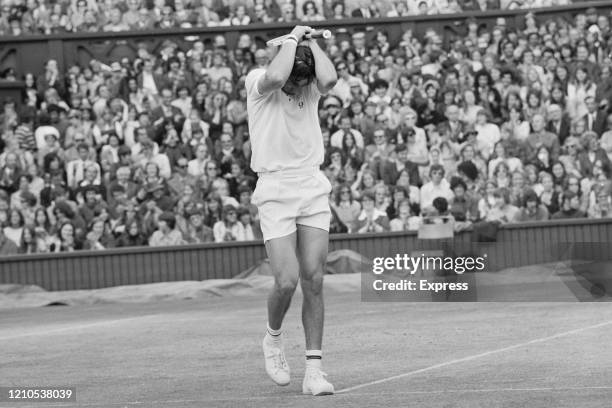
{"type": "Point", "coordinates": [313, 283]}
{"type": "Point", "coordinates": [285, 285]}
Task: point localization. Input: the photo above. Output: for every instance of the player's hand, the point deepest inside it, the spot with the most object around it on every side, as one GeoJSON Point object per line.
{"type": "Point", "coordinates": [301, 31]}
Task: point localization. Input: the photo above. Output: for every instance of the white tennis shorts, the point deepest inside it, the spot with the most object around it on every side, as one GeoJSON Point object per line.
{"type": "Point", "coordinates": [286, 198]}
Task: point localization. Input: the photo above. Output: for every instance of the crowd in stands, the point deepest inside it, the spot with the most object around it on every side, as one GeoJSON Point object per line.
{"type": "Point", "coordinates": [502, 125]}
{"type": "Point", "coordinates": [22, 17]}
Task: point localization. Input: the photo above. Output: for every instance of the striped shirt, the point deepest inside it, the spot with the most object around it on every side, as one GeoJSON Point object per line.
{"type": "Point", "coordinates": [25, 137]}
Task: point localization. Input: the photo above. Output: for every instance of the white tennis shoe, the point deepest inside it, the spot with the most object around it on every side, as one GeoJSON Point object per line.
{"type": "Point", "coordinates": [315, 383]}
{"type": "Point", "coordinates": [276, 364]}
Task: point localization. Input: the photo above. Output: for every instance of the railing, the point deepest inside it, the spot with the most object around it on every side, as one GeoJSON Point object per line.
{"type": "Point", "coordinates": [517, 245]}
{"type": "Point", "coordinates": [28, 53]}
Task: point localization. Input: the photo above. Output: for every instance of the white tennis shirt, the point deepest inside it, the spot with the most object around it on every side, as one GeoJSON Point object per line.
{"type": "Point", "coordinates": [284, 130]}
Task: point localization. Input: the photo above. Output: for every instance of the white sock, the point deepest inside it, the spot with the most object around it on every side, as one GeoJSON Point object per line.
{"type": "Point", "coordinates": [273, 336]}
{"type": "Point", "coordinates": [313, 359]}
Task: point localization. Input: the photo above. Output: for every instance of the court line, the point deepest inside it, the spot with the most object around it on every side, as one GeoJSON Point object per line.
{"type": "Point", "coordinates": [284, 397]}
{"type": "Point", "coordinates": [166, 317]}
{"type": "Point", "coordinates": [75, 327]}
{"type": "Point", "coordinates": [473, 357]}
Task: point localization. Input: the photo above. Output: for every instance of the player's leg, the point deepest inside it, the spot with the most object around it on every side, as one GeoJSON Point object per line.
{"type": "Point", "coordinates": [283, 261]}
{"type": "Point", "coordinates": [312, 253]}
{"type": "Point", "coordinates": [285, 268]}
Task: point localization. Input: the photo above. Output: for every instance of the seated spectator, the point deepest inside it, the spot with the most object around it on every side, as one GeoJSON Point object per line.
{"type": "Point", "coordinates": [570, 207]}
{"type": "Point", "coordinates": [464, 205]}
{"type": "Point", "coordinates": [28, 244]}
{"type": "Point", "coordinates": [228, 154]}
{"type": "Point", "coordinates": [67, 239]}
{"type": "Point", "coordinates": [7, 246]}
{"type": "Point", "coordinates": [252, 230]}
{"type": "Point", "coordinates": [166, 234]}
{"type": "Point", "coordinates": [13, 230]}
{"type": "Point", "coordinates": [311, 12]}
{"type": "Point", "coordinates": [131, 236]}
{"type": "Point", "coordinates": [344, 132]}
{"type": "Point", "coordinates": [115, 22]}
{"type": "Point", "coordinates": [99, 236]}
{"type": "Point", "coordinates": [591, 154]}
{"type": "Point", "coordinates": [549, 197]}
{"type": "Point", "coordinates": [161, 161]}
{"type": "Point", "coordinates": [230, 228]}
{"type": "Point", "coordinates": [499, 155]}
{"type": "Point", "coordinates": [437, 187]}
{"type": "Point", "coordinates": [347, 209]}
{"type": "Point", "coordinates": [196, 232]}
{"type": "Point", "coordinates": [600, 204]}
{"type": "Point", "coordinates": [533, 209]}
{"type": "Point", "coordinates": [371, 219]}
{"type": "Point", "coordinates": [406, 220]}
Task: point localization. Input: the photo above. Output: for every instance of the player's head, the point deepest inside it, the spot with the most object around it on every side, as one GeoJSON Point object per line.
{"type": "Point", "coordinates": [303, 71]}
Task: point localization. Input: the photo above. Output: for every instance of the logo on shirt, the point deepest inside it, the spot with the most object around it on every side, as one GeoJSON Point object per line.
{"type": "Point", "coordinates": [299, 100]}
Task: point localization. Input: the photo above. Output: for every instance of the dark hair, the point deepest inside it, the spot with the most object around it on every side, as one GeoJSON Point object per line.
{"type": "Point", "coordinates": [457, 182]}
{"type": "Point", "coordinates": [531, 195]}
{"type": "Point", "coordinates": [24, 245]}
{"type": "Point", "coordinates": [14, 211]}
{"type": "Point", "coordinates": [469, 169]}
{"type": "Point", "coordinates": [437, 167]}
{"type": "Point", "coordinates": [47, 225]}
{"type": "Point", "coordinates": [440, 204]}
{"type": "Point", "coordinates": [169, 219]}
{"type": "Point", "coordinates": [306, 3]}
{"type": "Point", "coordinates": [303, 64]}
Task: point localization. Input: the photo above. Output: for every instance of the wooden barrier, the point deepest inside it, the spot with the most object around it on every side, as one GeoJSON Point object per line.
{"type": "Point", "coordinates": [517, 245]}
{"type": "Point", "coordinates": [28, 53]}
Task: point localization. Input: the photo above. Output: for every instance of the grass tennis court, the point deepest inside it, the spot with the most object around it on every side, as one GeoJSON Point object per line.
{"type": "Point", "coordinates": [206, 353]}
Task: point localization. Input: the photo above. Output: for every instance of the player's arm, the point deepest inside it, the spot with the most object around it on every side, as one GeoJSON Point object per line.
{"type": "Point", "coordinates": [324, 69]}
{"type": "Point", "coordinates": [280, 67]}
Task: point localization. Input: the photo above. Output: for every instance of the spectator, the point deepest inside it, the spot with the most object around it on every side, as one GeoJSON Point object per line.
{"type": "Point", "coordinates": [371, 219]}
{"type": "Point", "coordinates": [437, 187]}
{"type": "Point", "coordinates": [570, 207]}
{"type": "Point", "coordinates": [7, 246]}
{"type": "Point", "coordinates": [406, 220]}
{"type": "Point", "coordinates": [196, 231]}
{"type": "Point", "coordinates": [131, 236]}
{"type": "Point", "coordinates": [533, 210]}
{"type": "Point", "coordinates": [347, 209]}
{"type": "Point", "coordinates": [166, 234]}
{"type": "Point", "coordinates": [229, 228]}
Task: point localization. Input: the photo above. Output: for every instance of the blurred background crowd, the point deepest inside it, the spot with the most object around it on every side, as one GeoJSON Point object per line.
{"type": "Point", "coordinates": [504, 125]}
{"type": "Point", "coordinates": [22, 17]}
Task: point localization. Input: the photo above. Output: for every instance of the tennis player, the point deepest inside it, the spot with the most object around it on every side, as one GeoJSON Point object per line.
{"type": "Point", "coordinates": [292, 193]}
